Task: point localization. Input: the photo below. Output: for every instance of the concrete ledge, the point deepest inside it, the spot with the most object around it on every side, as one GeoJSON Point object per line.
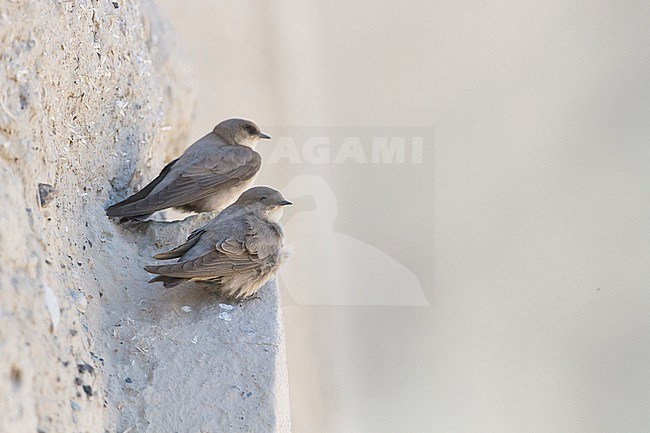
{"type": "Point", "coordinates": [189, 361]}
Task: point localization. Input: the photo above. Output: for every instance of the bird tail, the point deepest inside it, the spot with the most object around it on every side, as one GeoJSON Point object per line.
{"type": "Point", "coordinates": [167, 281]}
{"type": "Point", "coordinates": [137, 218]}
{"type": "Point", "coordinates": [124, 213]}
{"type": "Point", "coordinates": [128, 207]}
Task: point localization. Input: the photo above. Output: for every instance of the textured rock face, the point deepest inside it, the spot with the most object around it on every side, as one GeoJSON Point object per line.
{"type": "Point", "coordinates": [93, 100]}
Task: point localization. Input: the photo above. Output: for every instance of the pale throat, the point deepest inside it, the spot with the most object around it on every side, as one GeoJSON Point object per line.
{"type": "Point", "coordinates": [274, 214]}
{"type": "Point", "coordinates": [248, 142]}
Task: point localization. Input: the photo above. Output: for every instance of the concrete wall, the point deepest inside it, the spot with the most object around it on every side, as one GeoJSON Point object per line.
{"type": "Point", "coordinates": [94, 98]}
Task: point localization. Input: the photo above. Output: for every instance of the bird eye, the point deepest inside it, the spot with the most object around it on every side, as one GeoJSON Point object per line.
{"type": "Point", "coordinates": [263, 198]}
{"type": "Point", "coordinates": [250, 129]}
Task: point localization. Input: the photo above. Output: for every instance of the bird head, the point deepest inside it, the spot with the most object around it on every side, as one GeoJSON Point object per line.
{"type": "Point", "coordinates": [240, 131]}
{"type": "Point", "coordinates": [266, 201]}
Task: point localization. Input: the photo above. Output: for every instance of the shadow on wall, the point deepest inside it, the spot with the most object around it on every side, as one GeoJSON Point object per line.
{"type": "Point", "coordinates": [341, 270]}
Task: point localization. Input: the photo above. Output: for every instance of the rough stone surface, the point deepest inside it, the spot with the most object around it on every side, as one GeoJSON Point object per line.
{"type": "Point", "coordinates": [93, 100]}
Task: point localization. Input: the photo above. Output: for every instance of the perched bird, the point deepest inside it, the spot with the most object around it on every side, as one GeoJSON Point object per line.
{"type": "Point", "coordinates": [208, 176]}
{"type": "Point", "coordinates": [238, 251]}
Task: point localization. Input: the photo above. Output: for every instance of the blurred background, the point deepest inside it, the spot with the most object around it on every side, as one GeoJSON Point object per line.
{"type": "Point", "coordinates": [470, 183]}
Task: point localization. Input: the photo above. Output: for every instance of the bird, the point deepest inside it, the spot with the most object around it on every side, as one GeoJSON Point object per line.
{"type": "Point", "coordinates": [236, 252]}
{"type": "Point", "coordinates": [208, 176]}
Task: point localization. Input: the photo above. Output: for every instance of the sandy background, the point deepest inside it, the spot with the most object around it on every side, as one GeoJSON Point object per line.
{"type": "Point", "coordinates": [524, 224]}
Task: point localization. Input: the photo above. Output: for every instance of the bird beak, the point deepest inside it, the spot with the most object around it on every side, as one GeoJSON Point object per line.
{"type": "Point", "coordinates": [263, 135]}
{"type": "Point", "coordinates": [285, 203]}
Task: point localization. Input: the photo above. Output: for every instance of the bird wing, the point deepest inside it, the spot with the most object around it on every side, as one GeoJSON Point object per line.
{"type": "Point", "coordinates": [229, 256]}
{"type": "Point", "coordinates": [203, 176]}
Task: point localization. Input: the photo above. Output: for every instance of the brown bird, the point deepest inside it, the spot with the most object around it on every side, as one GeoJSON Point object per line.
{"type": "Point", "coordinates": [238, 251]}
{"type": "Point", "coordinates": [208, 176]}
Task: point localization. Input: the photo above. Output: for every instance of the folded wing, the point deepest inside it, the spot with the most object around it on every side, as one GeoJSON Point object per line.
{"type": "Point", "coordinates": [180, 185]}
{"type": "Point", "coordinates": [229, 256]}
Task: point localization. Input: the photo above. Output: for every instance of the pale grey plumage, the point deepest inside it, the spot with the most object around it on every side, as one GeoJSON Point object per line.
{"type": "Point", "coordinates": [208, 176]}
{"type": "Point", "coordinates": [237, 252]}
